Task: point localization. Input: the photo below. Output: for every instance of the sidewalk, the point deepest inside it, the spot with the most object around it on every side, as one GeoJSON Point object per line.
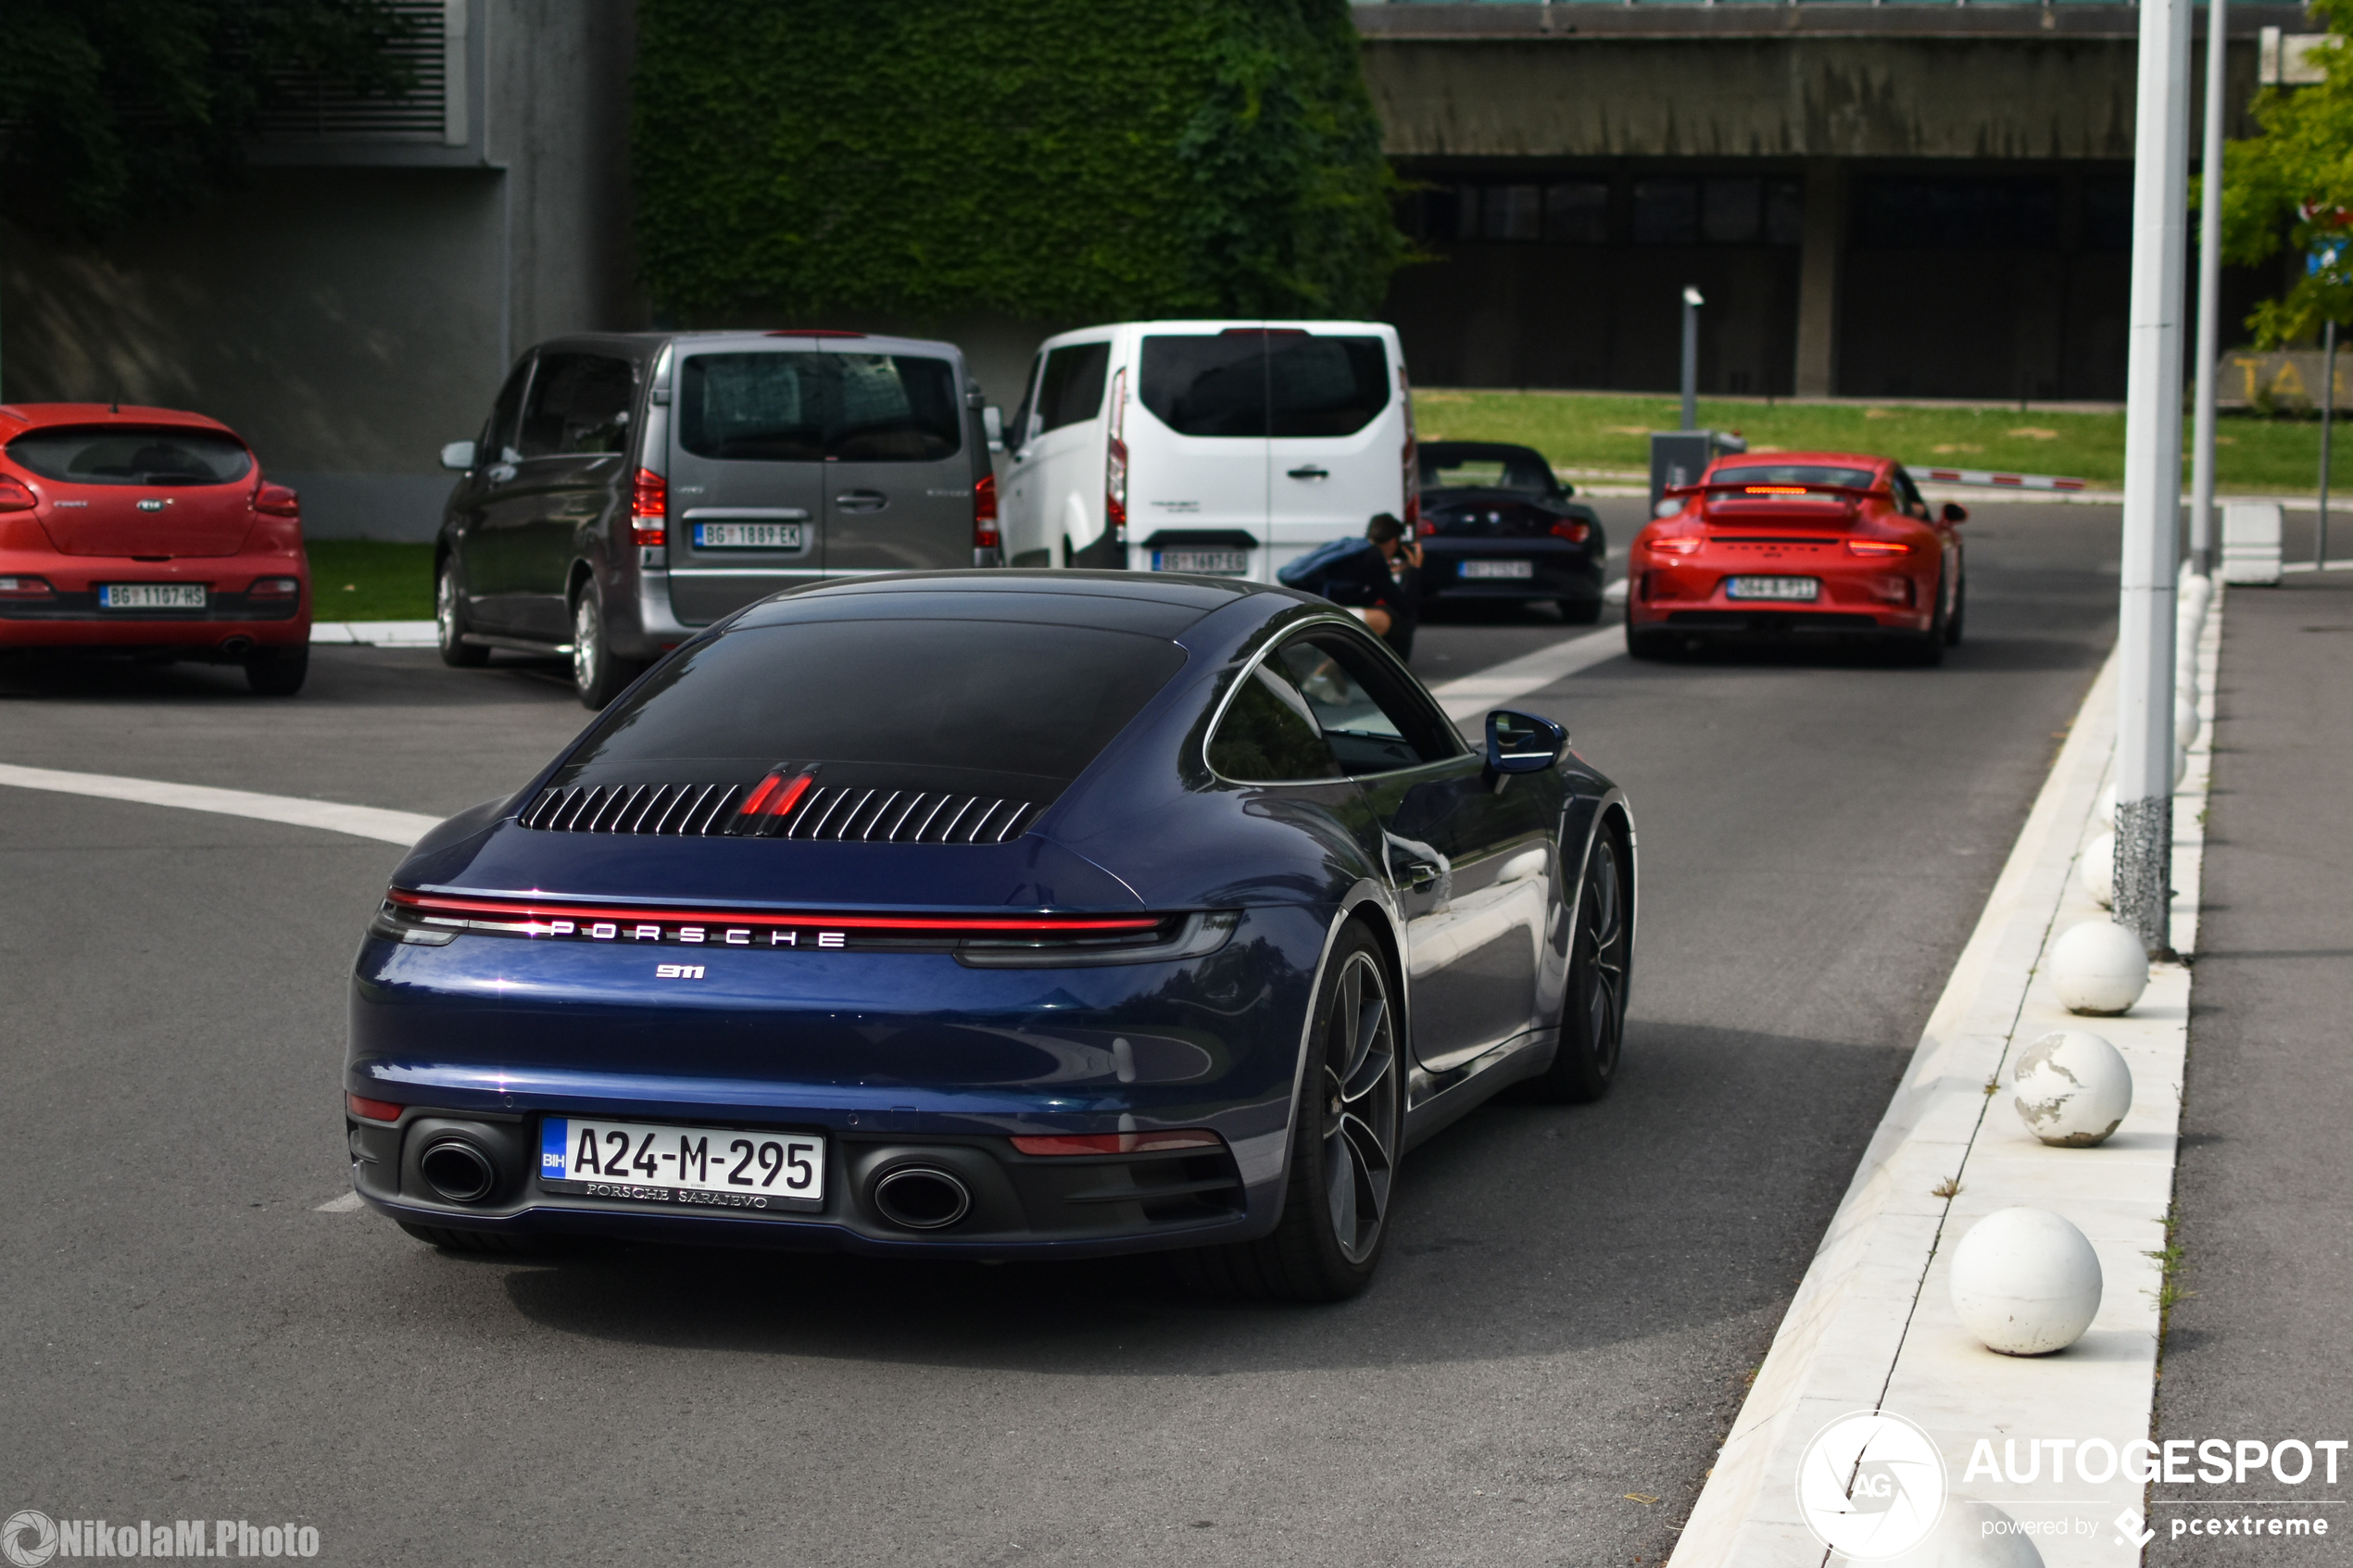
{"type": "Point", "coordinates": [2258, 1348]}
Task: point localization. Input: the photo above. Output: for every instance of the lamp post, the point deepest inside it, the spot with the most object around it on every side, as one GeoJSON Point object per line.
{"type": "Point", "coordinates": [2209, 297]}
{"type": "Point", "coordinates": [1691, 302]}
{"type": "Point", "coordinates": [2152, 479]}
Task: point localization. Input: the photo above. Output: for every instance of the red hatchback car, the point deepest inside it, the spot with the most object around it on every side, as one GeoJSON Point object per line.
{"type": "Point", "coordinates": [149, 531]}
{"type": "Point", "coordinates": [1798, 543]}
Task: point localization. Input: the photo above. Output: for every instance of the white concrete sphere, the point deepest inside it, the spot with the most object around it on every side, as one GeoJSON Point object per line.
{"type": "Point", "coordinates": [2073, 1088]}
{"type": "Point", "coordinates": [2025, 1282]}
{"type": "Point", "coordinates": [2096, 870]}
{"type": "Point", "coordinates": [2180, 764]}
{"type": "Point", "coordinates": [2105, 807]}
{"type": "Point", "coordinates": [1973, 1534]}
{"type": "Point", "coordinates": [2098, 967]}
{"type": "Point", "coordinates": [2185, 722]}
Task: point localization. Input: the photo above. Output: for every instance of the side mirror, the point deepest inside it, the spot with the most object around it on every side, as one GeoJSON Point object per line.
{"type": "Point", "coordinates": [459, 456]}
{"type": "Point", "coordinates": [1521, 743]}
{"type": "Point", "coordinates": [1955, 512]}
{"type": "Point", "coordinates": [993, 421]}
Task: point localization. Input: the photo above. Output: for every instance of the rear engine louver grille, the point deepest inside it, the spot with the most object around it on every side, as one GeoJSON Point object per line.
{"type": "Point", "coordinates": [841, 815]}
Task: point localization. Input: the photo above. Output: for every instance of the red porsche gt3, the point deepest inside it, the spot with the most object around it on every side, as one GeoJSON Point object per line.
{"type": "Point", "coordinates": [153, 533]}
{"type": "Point", "coordinates": [1798, 544]}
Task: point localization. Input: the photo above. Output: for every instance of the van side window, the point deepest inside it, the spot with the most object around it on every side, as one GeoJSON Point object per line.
{"type": "Point", "coordinates": [1208, 383]}
{"type": "Point", "coordinates": [1017, 434]}
{"type": "Point", "coordinates": [1072, 390]}
{"type": "Point", "coordinates": [499, 435]}
{"type": "Point", "coordinates": [1325, 385]}
{"type": "Point", "coordinates": [579, 406]}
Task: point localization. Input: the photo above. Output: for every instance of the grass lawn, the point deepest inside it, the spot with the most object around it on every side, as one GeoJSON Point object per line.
{"type": "Point", "coordinates": [1609, 431]}
{"type": "Point", "coordinates": [363, 580]}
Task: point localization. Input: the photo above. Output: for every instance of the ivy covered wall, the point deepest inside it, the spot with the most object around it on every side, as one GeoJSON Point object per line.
{"type": "Point", "coordinates": [1043, 160]}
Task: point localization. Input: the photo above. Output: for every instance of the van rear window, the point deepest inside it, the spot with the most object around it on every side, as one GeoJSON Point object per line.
{"type": "Point", "coordinates": [1258, 383]}
{"type": "Point", "coordinates": [115, 454]}
{"type": "Point", "coordinates": [783, 406]}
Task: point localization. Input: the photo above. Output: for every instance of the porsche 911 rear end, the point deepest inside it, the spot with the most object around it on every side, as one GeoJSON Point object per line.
{"type": "Point", "coordinates": [785, 952]}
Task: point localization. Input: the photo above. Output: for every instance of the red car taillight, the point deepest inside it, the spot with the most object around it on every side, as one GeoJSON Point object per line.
{"type": "Point", "coordinates": [1115, 463]}
{"type": "Point", "coordinates": [276, 500]}
{"type": "Point", "coordinates": [15, 497]}
{"type": "Point", "coordinates": [985, 535]}
{"type": "Point", "coordinates": [1116, 1143]}
{"type": "Point", "coordinates": [1574, 531]}
{"type": "Point", "coordinates": [1877, 547]}
{"type": "Point", "coordinates": [373, 1110]}
{"type": "Point", "coordinates": [24, 588]}
{"type": "Point", "coordinates": [649, 509]}
{"type": "Point", "coordinates": [274, 588]}
{"type": "Point", "coordinates": [765, 808]}
{"type": "Point", "coordinates": [1684, 546]}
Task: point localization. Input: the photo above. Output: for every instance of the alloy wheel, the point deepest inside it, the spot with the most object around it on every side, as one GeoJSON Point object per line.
{"type": "Point", "coordinates": [585, 633]}
{"type": "Point", "coordinates": [1602, 916]}
{"type": "Point", "coordinates": [1360, 1123]}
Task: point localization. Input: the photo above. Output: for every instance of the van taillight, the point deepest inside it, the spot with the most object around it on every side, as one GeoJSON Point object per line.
{"type": "Point", "coordinates": [649, 509]}
{"type": "Point", "coordinates": [1115, 463]}
{"type": "Point", "coordinates": [985, 535]}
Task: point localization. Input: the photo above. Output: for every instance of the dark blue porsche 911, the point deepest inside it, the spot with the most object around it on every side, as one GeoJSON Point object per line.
{"type": "Point", "coordinates": [999, 915]}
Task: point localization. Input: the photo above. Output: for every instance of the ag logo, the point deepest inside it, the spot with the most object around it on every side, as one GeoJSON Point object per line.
{"type": "Point", "coordinates": [1871, 1485]}
{"type": "Point", "coordinates": [29, 1538]}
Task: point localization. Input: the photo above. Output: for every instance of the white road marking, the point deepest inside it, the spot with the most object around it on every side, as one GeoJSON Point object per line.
{"type": "Point", "coordinates": [378, 634]}
{"type": "Point", "coordinates": [361, 821]}
{"type": "Point", "coordinates": [348, 1204]}
{"type": "Point", "coordinates": [1471, 695]}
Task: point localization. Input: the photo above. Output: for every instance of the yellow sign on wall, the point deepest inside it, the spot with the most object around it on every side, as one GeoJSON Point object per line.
{"type": "Point", "coordinates": [2281, 379]}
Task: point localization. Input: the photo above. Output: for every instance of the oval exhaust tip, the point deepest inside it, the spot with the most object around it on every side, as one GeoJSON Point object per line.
{"type": "Point", "coordinates": [921, 1198]}
{"type": "Point", "coordinates": [457, 1171]}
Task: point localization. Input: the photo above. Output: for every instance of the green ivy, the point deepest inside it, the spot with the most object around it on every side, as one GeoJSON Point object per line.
{"type": "Point", "coordinates": [1044, 158]}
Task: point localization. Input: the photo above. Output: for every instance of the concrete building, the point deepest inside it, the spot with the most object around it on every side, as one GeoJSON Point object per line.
{"type": "Point", "coordinates": [357, 301]}
{"type": "Point", "coordinates": [1877, 200]}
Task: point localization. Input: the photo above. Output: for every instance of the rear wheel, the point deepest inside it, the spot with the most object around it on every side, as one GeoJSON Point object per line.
{"type": "Point", "coordinates": [1927, 648]}
{"type": "Point", "coordinates": [1961, 613]}
{"type": "Point", "coordinates": [278, 672]}
{"type": "Point", "coordinates": [1580, 612]}
{"type": "Point", "coordinates": [1594, 1002]}
{"type": "Point", "coordinates": [597, 675]}
{"type": "Point", "coordinates": [1345, 1141]}
{"type": "Point", "coordinates": [449, 620]}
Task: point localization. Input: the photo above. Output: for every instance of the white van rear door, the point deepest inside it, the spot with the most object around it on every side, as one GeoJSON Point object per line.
{"type": "Point", "coordinates": [1336, 455]}
{"type": "Point", "coordinates": [1195, 426]}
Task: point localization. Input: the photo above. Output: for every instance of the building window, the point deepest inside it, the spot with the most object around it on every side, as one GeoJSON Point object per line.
{"type": "Point", "coordinates": [1904, 213]}
{"type": "Point", "coordinates": [1666, 212]}
{"type": "Point", "coordinates": [1577, 213]}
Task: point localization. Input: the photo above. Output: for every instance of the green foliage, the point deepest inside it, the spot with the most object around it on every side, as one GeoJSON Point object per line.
{"type": "Point", "coordinates": [1055, 159]}
{"type": "Point", "coordinates": [2296, 180]}
{"type": "Point", "coordinates": [369, 579]}
{"type": "Point", "coordinates": [119, 110]}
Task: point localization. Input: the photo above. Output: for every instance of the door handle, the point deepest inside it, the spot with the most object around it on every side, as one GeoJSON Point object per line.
{"type": "Point", "coordinates": [862, 500]}
{"type": "Point", "coordinates": [1310, 471]}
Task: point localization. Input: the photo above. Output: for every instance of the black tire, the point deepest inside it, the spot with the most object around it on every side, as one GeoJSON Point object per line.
{"type": "Point", "coordinates": [278, 672]}
{"type": "Point", "coordinates": [1960, 613]}
{"type": "Point", "coordinates": [1581, 612]}
{"type": "Point", "coordinates": [1347, 1132]}
{"type": "Point", "coordinates": [456, 1238]}
{"type": "Point", "coordinates": [1926, 649]}
{"type": "Point", "coordinates": [449, 620]}
{"type": "Point", "coordinates": [597, 675]}
{"type": "Point", "coordinates": [1653, 645]}
{"type": "Point", "coordinates": [1593, 1000]}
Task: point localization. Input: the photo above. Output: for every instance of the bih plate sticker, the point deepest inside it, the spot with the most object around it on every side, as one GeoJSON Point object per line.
{"type": "Point", "coordinates": [689, 1167]}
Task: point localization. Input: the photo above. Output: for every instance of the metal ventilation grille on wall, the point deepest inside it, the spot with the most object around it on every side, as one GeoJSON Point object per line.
{"type": "Point", "coordinates": [432, 112]}
{"type": "Point", "coordinates": [844, 815]}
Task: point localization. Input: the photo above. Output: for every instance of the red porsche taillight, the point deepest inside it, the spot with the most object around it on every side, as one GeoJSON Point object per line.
{"type": "Point", "coordinates": [1877, 547]}
{"type": "Point", "coordinates": [1677, 547]}
{"type": "Point", "coordinates": [24, 588]}
{"type": "Point", "coordinates": [373, 1110]}
{"type": "Point", "coordinates": [1574, 531]}
{"type": "Point", "coordinates": [1115, 463]}
{"type": "Point", "coordinates": [276, 500]}
{"type": "Point", "coordinates": [649, 510]}
{"type": "Point", "coordinates": [985, 535]}
{"type": "Point", "coordinates": [1116, 1143]}
{"type": "Point", "coordinates": [15, 497]}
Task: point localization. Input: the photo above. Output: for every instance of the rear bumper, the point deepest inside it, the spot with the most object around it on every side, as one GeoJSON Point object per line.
{"type": "Point", "coordinates": [1555, 573]}
{"type": "Point", "coordinates": [1694, 596]}
{"type": "Point", "coordinates": [231, 623]}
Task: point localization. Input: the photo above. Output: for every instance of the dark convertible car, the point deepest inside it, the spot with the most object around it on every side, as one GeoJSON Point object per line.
{"type": "Point", "coordinates": [1496, 524]}
{"type": "Point", "coordinates": [993, 914]}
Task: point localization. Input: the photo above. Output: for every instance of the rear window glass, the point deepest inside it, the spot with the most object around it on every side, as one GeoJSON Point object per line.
{"type": "Point", "coordinates": [1246, 383]}
{"type": "Point", "coordinates": [783, 406]}
{"type": "Point", "coordinates": [1325, 385]}
{"type": "Point", "coordinates": [1523, 473]}
{"type": "Point", "coordinates": [113, 455]}
{"type": "Point", "coordinates": [1015, 709]}
{"type": "Point", "coordinates": [1794, 474]}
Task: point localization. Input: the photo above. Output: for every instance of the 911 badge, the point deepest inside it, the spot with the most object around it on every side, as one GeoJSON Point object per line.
{"type": "Point", "coordinates": [678, 971]}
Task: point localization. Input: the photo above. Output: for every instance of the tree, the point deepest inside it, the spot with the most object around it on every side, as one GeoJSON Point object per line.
{"type": "Point", "coordinates": [2292, 185]}
{"type": "Point", "coordinates": [117, 110]}
{"type": "Point", "coordinates": [1055, 158]}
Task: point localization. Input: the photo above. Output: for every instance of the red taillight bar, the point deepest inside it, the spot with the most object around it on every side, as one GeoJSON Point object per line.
{"type": "Point", "coordinates": [649, 509]}
{"type": "Point", "coordinates": [373, 1110]}
{"type": "Point", "coordinates": [978, 925]}
{"type": "Point", "coordinates": [1116, 1143]}
{"type": "Point", "coordinates": [985, 535]}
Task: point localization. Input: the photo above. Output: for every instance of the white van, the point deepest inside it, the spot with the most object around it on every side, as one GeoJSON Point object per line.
{"type": "Point", "coordinates": [1225, 447]}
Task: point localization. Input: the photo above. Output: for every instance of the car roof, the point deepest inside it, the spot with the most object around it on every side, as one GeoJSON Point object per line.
{"type": "Point", "coordinates": [645, 345]}
{"type": "Point", "coordinates": [1437, 451]}
{"type": "Point", "coordinates": [1826, 460]}
{"type": "Point", "coordinates": [1161, 604]}
{"type": "Point", "coordinates": [43, 416]}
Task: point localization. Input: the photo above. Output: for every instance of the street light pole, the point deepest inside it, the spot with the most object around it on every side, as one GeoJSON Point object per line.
{"type": "Point", "coordinates": [2209, 297]}
{"type": "Point", "coordinates": [1691, 302]}
{"type": "Point", "coordinates": [2152, 479]}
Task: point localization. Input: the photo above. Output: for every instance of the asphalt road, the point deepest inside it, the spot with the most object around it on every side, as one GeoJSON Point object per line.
{"type": "Point", "coordinates": [1570, 1306]}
